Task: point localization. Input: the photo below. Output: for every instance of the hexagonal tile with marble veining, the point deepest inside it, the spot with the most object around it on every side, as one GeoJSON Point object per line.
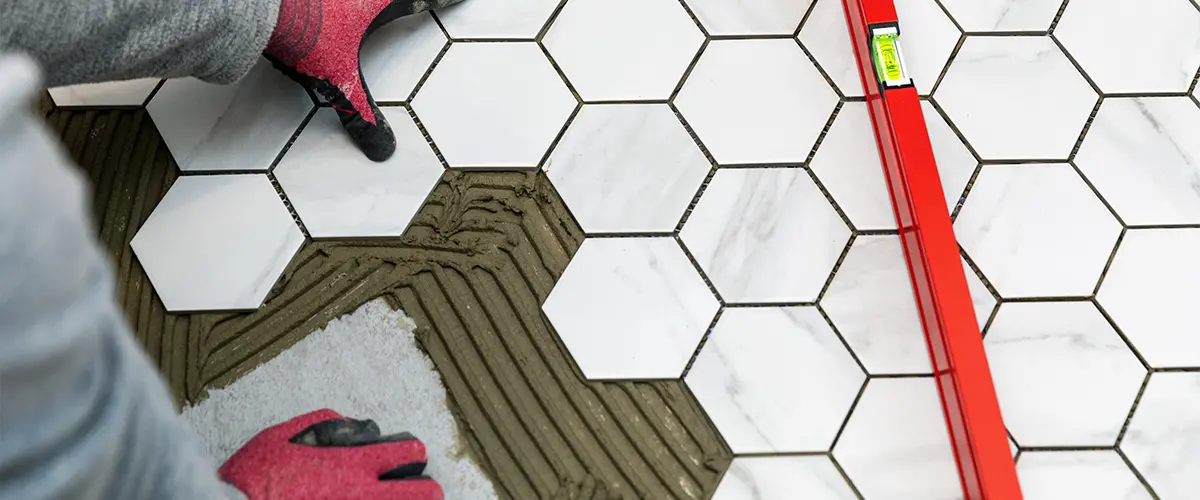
{"type": "Point", "coordinates": [239, 127]}
{"type": "Point", "coordinates": [1091, 474]}
{"type": "Point", "coordinates": [750, 478]}
{"type": "Point", "coordinates": [1151, 291]}
{"type": "Point", "coordinates": [1163, 438]}
{"type": "Point", "coordinates": [1003, 15]}
{"type": "Point", "coordinates": [631, 308]}
{"type": "Point", "coordinates": [1064, 377]}
{"type": "Point", "coordinates": [1037, 102]}
{"type": "Point", "coordinates": [756, 101]}
{"type": "Point", "coordinates": [1111, 41]}
{"type": "Point", "coordinates": [627, 168]}
{"type": "Point", "coordinates": [852, 173]}
{"type": "Point", "coordinates": [1036, 230]}
{"type": "Point", "coordinates": [761, 17]}
{"type": "Point", "coordinates": [493, 105]}
{"type": "Point", "coordinates": [608, 53]}
{"type": "Point", "coordinates": [895, 444]}
{"type": "Point", "coordinates": [765, 235]}
{"type": "Point", "coordinates": [217, 242]}
{"type": "Point", "coordinates": [870, 301]}
{"type": "Point", "coordinates": [338, 192]}
{"type": "Point", "coordinates": [497, 19]}
{"type": "Point", "coordinates": [396, 56]}
{"type": "Point", "coordinates": [1143, 156]}
{"type": "Point", "coordinates": [775, 379]}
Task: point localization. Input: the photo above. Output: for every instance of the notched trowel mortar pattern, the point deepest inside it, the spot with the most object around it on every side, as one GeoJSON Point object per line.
{"type": "Point", "coordinates": [472, 271]}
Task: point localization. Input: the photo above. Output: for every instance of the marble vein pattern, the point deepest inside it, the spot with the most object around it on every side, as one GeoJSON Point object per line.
{"type": "Point", "coordinates": [1037, 230]}
{"type": "Point", "coordinates": [1134, 47]}
{"type": "Point", "coordinates": [775, 379]}
{"type": "Point", "coordinates": [895, 444]}
{"type": "Point", "coordinates": [765, 235]}
{"type": "Point", "coordinates": [497, 19]}
{"type": "Point", "coordinates": [396, 56]}
{"type": "Point", "coordinates": [627, 168]}
{"type": "Point", "coordinates": [1095, 475]}
{"type": "Point", "coordinates": [1064, 377]}
{"type": "Point", "coordinates": [755, 478]}
{"type": "Point", "coordinates": [1003, 15]}
{"type": "Point", "coordinates": [870, 301]}
{"type": "Point", "coordinates": [631, 308]}
{"type": "Point", "coordinates": [1037, 102]}
{"type": "Point", "coordinates": [1151, 291]}
{"type": "Point", "coordinates": [340, 193]}
{"type": "Point", "coordinates": [1143, 156]}
{"type": "Point", "coordinates": [849, 168]}
{"type": "Point", "coordinates": [756, 101]}
{"type": "Point", "coordinates": [760, 17]}
{"type": "Point", "coordinates": [608, 54]}
{"type": "Point", "coordinates": [240, 127]}
{"type": "Point", "coordinates": [1163, 439]}
{"type": "Point", "coordinates": [217, 242]}
{"type": "Point", "coordinates": [493, 105]}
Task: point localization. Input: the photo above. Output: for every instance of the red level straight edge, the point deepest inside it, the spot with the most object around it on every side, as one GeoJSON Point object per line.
{"type": "Point", "coordinates": [977, 434]}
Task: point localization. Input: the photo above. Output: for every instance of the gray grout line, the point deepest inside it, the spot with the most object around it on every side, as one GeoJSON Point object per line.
{"type": "Point", "coordinates": [687, 72]}
{"type": "Point", "coordinates": [804, 19]}
{"type": "Point", "coordinates": [695, 19]}
{"type": "Point", "coordinates": [949, 16]}
{"type": "Point", "coordinates": [1137, 473]}
{"type": "Point", "coordinates": [821, 70]}
{"type": "Point", "coordinates": [1121, 333]}
{"type": "Point", "coordinates": [962, 40]}
{"type": "Point", "coordinates": [541, 34]}
{"type": "Point", "coordinates": [837, 465]}
{"type": "Point", "coordinates": [842, 338]}
{"type": "Point", "coordinates": [1058, 16]}
{"type": "Point", "coordinates": [712, 325]}
{"type": "Point", "coordinates": [849, 414]}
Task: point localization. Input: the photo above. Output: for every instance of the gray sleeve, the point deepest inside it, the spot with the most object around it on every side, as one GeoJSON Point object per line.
{"type": "Point", "coordinates": [83, 414]}
{"type": "Point", "coordinates": [84, 41]}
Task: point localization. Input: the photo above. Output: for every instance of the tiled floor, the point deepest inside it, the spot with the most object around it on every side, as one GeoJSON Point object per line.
{"type": "Point", "coordinates": [720, 158]}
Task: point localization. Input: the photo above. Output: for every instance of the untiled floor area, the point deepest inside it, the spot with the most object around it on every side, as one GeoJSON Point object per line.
{"type": "Point", "coordinates": [718, 157]}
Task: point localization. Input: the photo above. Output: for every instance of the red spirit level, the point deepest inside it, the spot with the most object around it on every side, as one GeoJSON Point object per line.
{"type": "Point", "coordinates": [977, 434]}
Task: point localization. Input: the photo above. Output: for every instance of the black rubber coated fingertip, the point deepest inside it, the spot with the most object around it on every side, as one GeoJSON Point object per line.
{"type": "Point", "coordinates": [404, 471]}
{"type": "Point", "coordinates": [376, 141]}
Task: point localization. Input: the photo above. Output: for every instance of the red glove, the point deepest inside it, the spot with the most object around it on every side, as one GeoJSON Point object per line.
{"type": "Point", "coordinates": [325, 456]}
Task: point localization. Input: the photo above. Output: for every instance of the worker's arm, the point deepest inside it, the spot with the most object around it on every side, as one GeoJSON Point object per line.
{"type": "Point", "coordinates": [83, 41]}
{"type": "Point", "coordinates": [83, 414]}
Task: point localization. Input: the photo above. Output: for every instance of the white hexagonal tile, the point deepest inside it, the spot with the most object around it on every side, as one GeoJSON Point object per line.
{"type": "Point", "coordinates": [1143, 156]}
{"type": "Point", "coordinates": [1003, 15]}
{"type": "Point", "coordinates": [927, 37]}
{"type": "Point", "coordinates": [761, 17]}
{"type": "Point", "coordinates": [827, 38]}
{"type": "Point", "coordinates": [981, 298]}
{"type": "Point", "coordinates": [122, 93]}
{"type": "Point", "coordinates": [1151, 291]}
{"type": "Point", "coordinates": [756, 101]}
{"type": "Point", "coordinates": [240, 127]}
{"type": "Point", "coordinates": [775, 379]}
{"type": "Point", "coordinates": [1098, 475]}
{"type": "Point", "coordinates": [1163, 438]}
{"type": "Point", "coordinates": [1147, 46]}
{"type": "Point", "coordinates": [895, 444]}
{"type": "Point", "coordinates": [397, 55]}
{"type": "Point", "coordinates": [851, 171]}
{"type": "Point", "coordinates": [955, 163]}
{"type": "Point", "coordinates": [627, 168]}
{"type": "Point", "coordinates": [1062, 374]}
{"type": "Point", "coordinates": [497, 19]}
{"type": "Point", "coordinates": [765, 235]}
{"type": "Point", "coordinates": [217, 242]}
{"type": "Point", "coordinates": [608, 54]}
{"type": "Point", "coordinates": [1036, 104]}
{"type": "Point", "coordinates": [752, 478]}
{"type": "Point", "coordinates": [493, 104]}
{"type": "Point", "coordinates": [618, 292]}
{"type": "Point", "coordinates": [1036, 230]}
{"type": "Point", "coordinates": [339, 193]}
{"type": "Point", "coordinates": [870, 301]}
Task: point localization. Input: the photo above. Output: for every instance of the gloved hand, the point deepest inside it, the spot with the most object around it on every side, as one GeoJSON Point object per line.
{"type": "Point", "coordinates": [316, 43]}
{"type": "Point", "coordinates": [325, 456]}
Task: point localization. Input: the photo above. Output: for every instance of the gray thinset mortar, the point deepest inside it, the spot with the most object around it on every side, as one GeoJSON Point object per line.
{"type": "Point", "coordinates": [472, 270]}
